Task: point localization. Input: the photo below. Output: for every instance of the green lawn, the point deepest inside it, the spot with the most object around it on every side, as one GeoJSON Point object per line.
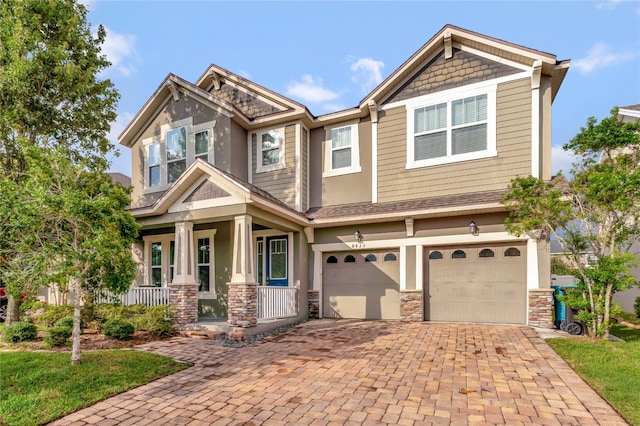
{"type": "Point", "coordinates": [611, 368]}
{"type": "Point", "coordinates": [38, 387]}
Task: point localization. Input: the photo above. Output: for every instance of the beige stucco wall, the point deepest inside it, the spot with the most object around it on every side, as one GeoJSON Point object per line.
{"type": "Point", "coordinates": [279, 183]}
{"type": "Point", "coordinates": [343, 189]}
{"type": "Point", "coordinates": [173, 111]}
{"type": "Point", "coordinates": [513, 142]}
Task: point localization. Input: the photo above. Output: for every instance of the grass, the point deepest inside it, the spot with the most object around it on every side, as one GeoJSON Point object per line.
{"type": "Point", "coordinates": [38, 387]}
{"type": "Point", "coordinates": [611, 368]}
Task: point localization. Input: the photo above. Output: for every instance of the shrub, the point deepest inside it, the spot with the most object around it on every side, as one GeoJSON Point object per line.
{"type": "Point", "coordinates": [636, 306]}
{"type": "Point", "coordinates": [20, 331]}
{"type": "Point", "coordinates": [65, 322]}
{"type": "Point", "coordinates": [52, 314]}
{"type": "Point", "coordinates": [57, 335]}
{"type": "Point", "coordinates": [154, 320]}
{"type": "Point", "coordinates": [118, 328]}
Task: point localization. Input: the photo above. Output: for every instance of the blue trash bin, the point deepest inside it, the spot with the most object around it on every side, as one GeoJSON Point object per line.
{"type": "Point", "coordinates": [563, 315]}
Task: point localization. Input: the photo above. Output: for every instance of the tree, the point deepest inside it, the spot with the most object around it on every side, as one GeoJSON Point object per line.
{"type": "Point", "coordinates": [598, 210]}
{"type": "Point", "coordinates": [50, 96]}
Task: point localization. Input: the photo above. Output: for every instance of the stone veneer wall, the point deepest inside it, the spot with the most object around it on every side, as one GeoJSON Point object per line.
{"type": "Point", "coordinates": [185, 298]}
{"type": "Point", "coordinates": [242, 304]}
{"type": "Point", "coordinates": [313, 299]}
{"type": "Point", "coordinates": [541, 307]}
{"type": "Point", "coordinates": [411, 305]}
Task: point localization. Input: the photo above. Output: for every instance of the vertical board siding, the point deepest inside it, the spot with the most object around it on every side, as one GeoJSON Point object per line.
{"type": "Point", "coordinates": [513, 133]}
{"type": "Point", "coordinates": [279, 183]}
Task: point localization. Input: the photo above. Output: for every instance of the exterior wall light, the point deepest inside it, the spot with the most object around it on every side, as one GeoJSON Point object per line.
{"type": "Point", "coordinates": [357, 237]}
{"type": "Point", "coordinates": [473, 229]}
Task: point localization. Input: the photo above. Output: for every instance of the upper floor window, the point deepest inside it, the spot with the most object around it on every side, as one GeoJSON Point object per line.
{"type": "Point", "coordinates": [342, 153]}
{"type": "Point", "coordinates": [177, 145]}
{"type": "Point", "coordinates": [270, 150]}
{"type": "Point", "coordinates": [176, 153]}
{"type": "Point", "coordinates": [153, 154]}
{"type": "Point", "coordinates": [456, 127]}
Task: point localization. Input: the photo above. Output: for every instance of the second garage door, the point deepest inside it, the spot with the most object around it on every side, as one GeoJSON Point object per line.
{"type": "Point", "coordinates": [361, 285]}
{"type": "Point", "coordinates": [477, 284]}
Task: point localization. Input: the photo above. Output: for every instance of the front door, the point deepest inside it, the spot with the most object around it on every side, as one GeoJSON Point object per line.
{"type": "Point", "coordinates": [276, 261]}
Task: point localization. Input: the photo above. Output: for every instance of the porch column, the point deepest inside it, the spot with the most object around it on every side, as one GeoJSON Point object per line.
{"type": "Point", "coordinates": [183, 291]}
{"type": "Point", "coordinates": [242, 303]}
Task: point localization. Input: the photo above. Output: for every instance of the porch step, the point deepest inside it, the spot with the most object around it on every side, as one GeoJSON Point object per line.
{"type": "Point", "coordinates": [203, 334]}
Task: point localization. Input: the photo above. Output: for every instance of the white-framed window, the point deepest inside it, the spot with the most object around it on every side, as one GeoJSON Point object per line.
{"type": "Point", "coordinates": [204, 254]}
{"type": "Point", "coordinates": [455, 126]}
{"type": "Point", "coordinates": [176, 153]}
{"type": "Point", "coordinates": [159, 259]}
{"type": "Point", "coordinates": [155, 161]}
{"type": "Point", "coordinates": [170, 153]}
{"type": "Point", "coordinates": [156, 264]}
{"type": "Point", "coordinates": [270, 150]}
{"type": "Point", "coordinates": [342, 150]}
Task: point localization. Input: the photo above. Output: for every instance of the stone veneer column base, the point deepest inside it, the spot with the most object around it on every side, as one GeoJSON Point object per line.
{"type": "Point", "coordinates": [185, 299]}
{"type": "Point", "coordinates": [313, 298]}
{"type": "Point", "coordinates": [541, 307]}
{"type": "Point", "coordinates": [242, 304]}
{"type": "Point", "coordinates": [411, 305]}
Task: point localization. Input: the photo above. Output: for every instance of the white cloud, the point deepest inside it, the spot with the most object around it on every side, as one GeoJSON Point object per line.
{"type": "Point", "coordinates": [367, 73]}
{"type": "Point", "coordinates": [561, 160]}
{"type": "Point", "coordinates": [118, 126]}
{"type": "Point", "coordinates": [121, 163]}
{"type": "Point", "coordinates": [309, 89]}
{"type": "Point", "coordinates": [600, 56]}
{"type": "Point", "coordinates": [244, 73]}
{"type": "Point", "coordinates": [119, 48]}
{"type": "Point", "coordinates": [609, 4]}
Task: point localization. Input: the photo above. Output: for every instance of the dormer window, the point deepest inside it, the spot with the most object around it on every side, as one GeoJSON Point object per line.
{"type": "Point", "coordinates": [270, 150]}
{"type": "Point", "coordinates": [173, 149]}
{"type": "Point", "coordinates": [447, 128]}
{"type": "Point", "coordinates": [342, 151]}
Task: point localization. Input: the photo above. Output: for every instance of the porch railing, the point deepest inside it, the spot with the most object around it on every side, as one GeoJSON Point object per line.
{"type": "Point", "coordinates": [277, 302]}
{"type": "Point", "coordinates": [150, 296]}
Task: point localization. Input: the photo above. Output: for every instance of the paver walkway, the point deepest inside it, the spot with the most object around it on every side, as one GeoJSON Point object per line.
{"type": "Point", "coordinates": [337, 372]}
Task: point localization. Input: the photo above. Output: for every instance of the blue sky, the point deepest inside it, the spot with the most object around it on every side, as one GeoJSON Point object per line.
{"type": "Point", "coordinates": [328, 55]}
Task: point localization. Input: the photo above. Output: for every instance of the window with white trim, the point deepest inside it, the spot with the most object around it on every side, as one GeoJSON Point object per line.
{"type": "Point", "coordinates": [270, 150]}
{"type": "Point", "coordinates": [153, 154]}
{"type": "Point", "coordinates": [170, 153]}
{"type": "Point", "coordinates": [204, 255]}
{"type": "Point", "coordinates": [176, 153]}
{"type": "Point", "coordinates": [446, 129]}
{"type": "Point", "coordinates": [156, 264]}
{"type": "Point", "coordinates": [342, 151]}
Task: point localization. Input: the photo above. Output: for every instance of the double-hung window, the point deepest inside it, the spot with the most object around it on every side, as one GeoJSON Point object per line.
{"type": "Point", "coordinates": [202, 145]}
{"type": "Point", "coordinates": [270, 150]}
{"type": "Point", "coordinates": [156, 264]}
{"type": "Point", "coordinates": [153, 153]}
{"type": "Point", "coordinates": [342, 154]}
{"type": "Point", "coordinates": [445, 130]}
{"type": "Point", "coordinates": [176, 153]}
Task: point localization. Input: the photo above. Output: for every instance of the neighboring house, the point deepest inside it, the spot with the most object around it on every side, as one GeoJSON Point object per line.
{"type": "Point", "coordinates": [387, 210]}
{"type": "Point", "coordinates": [627, 298]}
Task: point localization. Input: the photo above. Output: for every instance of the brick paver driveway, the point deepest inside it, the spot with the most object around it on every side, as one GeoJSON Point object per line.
{"type": "Point", "coordinates": [363, 372]}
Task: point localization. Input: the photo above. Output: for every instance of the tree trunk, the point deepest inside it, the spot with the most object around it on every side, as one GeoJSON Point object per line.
{"type": "Point", "coordinates": [77, 305]}
{"type": "Point", "coordinates": [13, 309]}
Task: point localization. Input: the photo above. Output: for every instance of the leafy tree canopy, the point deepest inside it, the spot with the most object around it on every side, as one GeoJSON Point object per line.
{"type": "Point", "coordinates": [596, 211]}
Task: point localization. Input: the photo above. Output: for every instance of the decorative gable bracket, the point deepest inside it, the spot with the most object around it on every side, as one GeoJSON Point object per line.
{"type": "Point", "coordinates": [174, 91]}
{"type": "Point", "coordinates": [536, 72]}
{"type": "Point", "coordinates": [408, 222]}
{"type": "Point", "coordinates": [215, 79]}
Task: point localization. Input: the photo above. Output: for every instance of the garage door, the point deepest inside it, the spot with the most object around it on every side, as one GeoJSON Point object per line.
{"type": "Point", "coordinates": [361, 285]}
{"type": "Point", "coordinates": [477, 284]}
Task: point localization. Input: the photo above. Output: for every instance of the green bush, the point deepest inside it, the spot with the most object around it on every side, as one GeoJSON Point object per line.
{"type": "Point", "coordinates": [52, 314]}
{"type": "Point", "coordinates": [57, 335]}
{"type": "Point", "coordinates": [65, 322]}
{"type": "Point", "coordinates": [636, 306]}
{"type": "Point", "coordinates": [154, 320]}
{"type": "Point", "coordinates": [118, 328]}
{"type": "Point", "coordinates": [20, 331]}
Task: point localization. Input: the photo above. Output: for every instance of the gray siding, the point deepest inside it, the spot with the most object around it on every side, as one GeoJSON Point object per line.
{"type": "Point", "coordinates": [279, 183]}
{"type": "Point", "coordinates": [513, 133]}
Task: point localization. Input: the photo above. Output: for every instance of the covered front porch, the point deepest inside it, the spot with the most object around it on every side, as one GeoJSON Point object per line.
{"type": "Point", "coordinates": [219, 249]}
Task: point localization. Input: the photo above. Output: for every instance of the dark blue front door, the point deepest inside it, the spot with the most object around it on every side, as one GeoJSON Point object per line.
{"type": "Point", "coordinates": [276, 262]}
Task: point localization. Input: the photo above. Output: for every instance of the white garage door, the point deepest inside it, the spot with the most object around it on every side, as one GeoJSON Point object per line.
{"type": "Point", "coordinates": [361, 285]}
{"type": "Point", "coordinates": [477, 284]}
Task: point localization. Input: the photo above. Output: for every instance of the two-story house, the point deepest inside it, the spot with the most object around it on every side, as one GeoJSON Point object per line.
{"type": "Point", "coordinates": [387, 210]}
